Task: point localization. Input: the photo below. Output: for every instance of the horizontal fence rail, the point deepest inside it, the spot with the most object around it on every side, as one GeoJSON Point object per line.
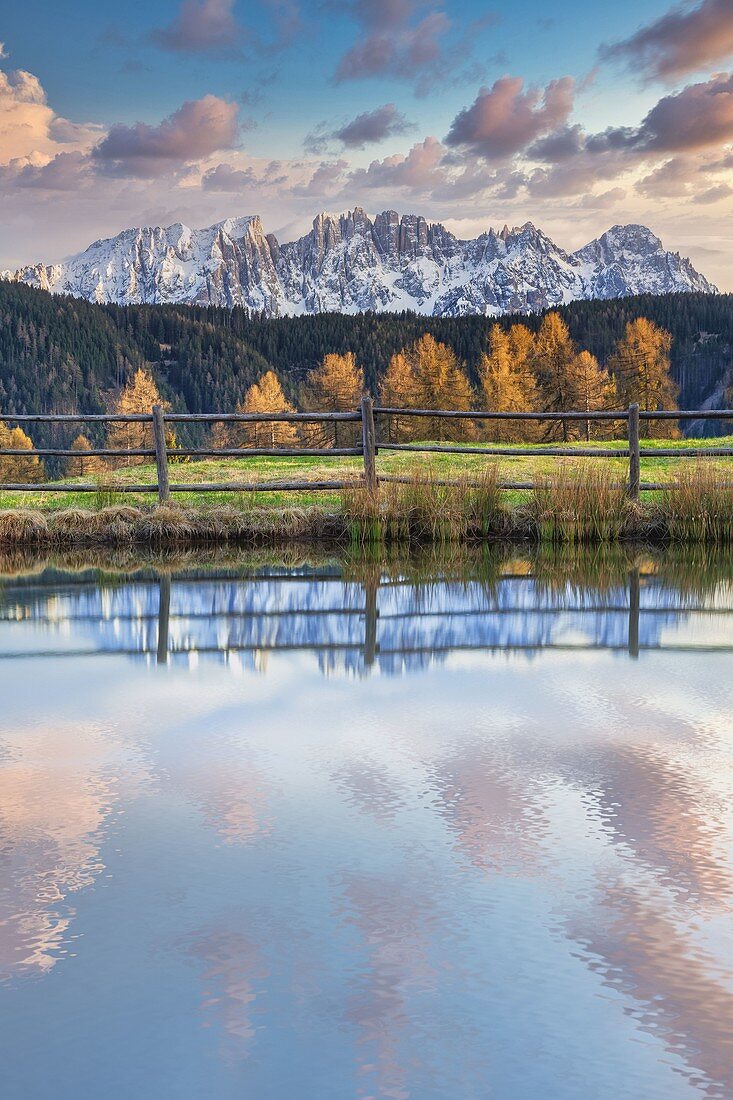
{"type": "Point", "coordinates": [365, 447]}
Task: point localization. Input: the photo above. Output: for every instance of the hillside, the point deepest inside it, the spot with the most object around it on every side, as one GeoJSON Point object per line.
{"type": "Point", "coordinates": [64, 354]}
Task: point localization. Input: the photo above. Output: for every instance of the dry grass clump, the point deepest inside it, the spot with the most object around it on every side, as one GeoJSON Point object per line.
{"type": "Point", "coordinates": [23, 525]}
{"type": "Point", "coordinates": [73, 523]}
{"type": "Point", "coordinates": [698, 505]}
{"type": "Point", "coordinates": [113, 524]}
{"type": "Point", "coordinates": [165, 523]}
{"type": "Point", "coordinates": [482, 503]}
{"type": "Point", "coordinates": [423, 509]}
{"type": "Point", "coordinates": [581, 503]}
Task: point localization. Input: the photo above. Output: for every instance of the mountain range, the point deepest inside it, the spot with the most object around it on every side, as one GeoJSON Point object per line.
{"type": "Point", "coordinates": [350, 263]}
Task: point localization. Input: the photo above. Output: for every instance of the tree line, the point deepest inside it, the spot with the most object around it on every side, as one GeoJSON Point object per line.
{"type": "Point", "coordinates": [520, 371]}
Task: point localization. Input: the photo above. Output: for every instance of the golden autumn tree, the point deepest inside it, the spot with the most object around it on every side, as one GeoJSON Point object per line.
{"type": "Point", "coordinates": [397, 390]}
{"type": "Point", "coordinates": [440, 383]}
{"type": "Point", "coordinates": [265, 396]}
{"type": "Point", "coordinates": [507, 382]}
{"type": "Point", "coordinates": [641, 367]}
{"type": "Point", "coordinates": [553, 359]}
{"type": "Point", "coordinates": [138, 396]}
{"type": "Point", "coordinates": [594, 391]}
{"type": "Point", "coordinates": [17, 468]}
{"type": "Point", "coordinates": [82, 463]}
{"type": "Point", "coordinates": [336, 385]}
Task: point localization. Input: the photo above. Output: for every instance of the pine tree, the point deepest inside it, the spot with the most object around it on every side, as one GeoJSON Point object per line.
{"type": "Point", "coordinates": [553, 360]}
{"type": "Point", "coordinates": [397, 390]}
{"type": "Point", "coordinates": [507, 383]}
{"type": "Point", "coordinates": [83, 464]}
{"type": "Point", "coordinates": [264, 396]}
{"type": "Point", "coordinates": [334, 386]}
{"type": "Point", "coordinates": [138, 396]}
{"type": "Point", "coordinates": [440, 383]}
{"type": "Point", "coordinates": [594, 391]}
{"type": "Point", "coordinates": [641, 367]}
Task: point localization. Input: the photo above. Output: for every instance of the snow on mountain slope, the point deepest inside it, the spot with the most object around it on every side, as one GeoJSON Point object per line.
{"type": "Point", "coordinates": [349, 263]}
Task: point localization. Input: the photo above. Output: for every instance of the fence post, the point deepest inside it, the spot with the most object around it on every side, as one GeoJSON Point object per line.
{"type": "Point", "coordinates": [634, 603]}
{"type": "Point", "coordinates": [369, 442]}
{"type": "Point", "coordinates": [161, 453]}
{"type": "Point", "coordinates": [634, 456]}
{"type": "Point", "coordinates": [164, 612]}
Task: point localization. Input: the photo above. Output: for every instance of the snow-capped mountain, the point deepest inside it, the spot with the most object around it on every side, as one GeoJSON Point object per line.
{"type": "Point", "coordinates": [349, 263]}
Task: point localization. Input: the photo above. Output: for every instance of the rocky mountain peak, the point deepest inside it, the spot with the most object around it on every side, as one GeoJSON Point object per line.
{"type": "Point", "coordinates": [349, 263]}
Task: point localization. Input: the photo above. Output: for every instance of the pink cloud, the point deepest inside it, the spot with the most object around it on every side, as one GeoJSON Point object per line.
{"type": "Point", "coordinates": [505, 118]}
{"type": "Point", "coordinates": [682, 41]}
{"type": "Point", "coordinates": [198, 128]}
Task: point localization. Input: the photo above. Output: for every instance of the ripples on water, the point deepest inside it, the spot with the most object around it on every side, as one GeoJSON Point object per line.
{"type": "Point", "coordinates": [336, 830]}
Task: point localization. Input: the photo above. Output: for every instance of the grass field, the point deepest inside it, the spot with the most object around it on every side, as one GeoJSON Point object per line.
{"type": "Point", "coordinates": [512, 468]}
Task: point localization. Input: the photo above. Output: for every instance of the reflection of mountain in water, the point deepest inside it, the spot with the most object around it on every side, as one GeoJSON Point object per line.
{"type": "Point", "coordinates": [394, 624]}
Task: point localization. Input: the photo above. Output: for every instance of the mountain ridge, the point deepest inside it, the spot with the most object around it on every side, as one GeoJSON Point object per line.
{"type": "Point", "coordinates": [351, 263]}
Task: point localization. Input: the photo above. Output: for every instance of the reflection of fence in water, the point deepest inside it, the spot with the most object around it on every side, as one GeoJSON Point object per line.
{"type": "Point", "coordinates": [395, 625]}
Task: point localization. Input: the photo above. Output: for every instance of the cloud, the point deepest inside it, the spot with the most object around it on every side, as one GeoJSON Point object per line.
{"type": "Point", "coordinates": [505, 118]}
{"type": "Point", "coordinates": [698, 116]}
{"type": "Point", "coordinates": [29, 128]}
{"type": "Point", "coordinates": [373, 126]}
{"type": "Point", "coordinates": [679, 42]}
{"type": "Point", "coordinates": [714, 194]}
{"type": "Point", "coordinates": [205, 27]}
{"type": "Point", "coordinates": [65, 172]}
{"type": "Point", "coordinates": [326, 181]}
{"type": "Point", "coordinates": [198, 128]}
{"type": "Point", "coordinates": [367, 128]}
{"type": "Point", "coordinates": [224, 177]}
{"type": "Point", "coordinates": [420, 169]}
{"type": "Point", "coordinates": [396, 40]}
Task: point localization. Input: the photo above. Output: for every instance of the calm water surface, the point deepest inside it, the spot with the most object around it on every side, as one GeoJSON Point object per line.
{"type": "Point", "coordinates": [331, 832]}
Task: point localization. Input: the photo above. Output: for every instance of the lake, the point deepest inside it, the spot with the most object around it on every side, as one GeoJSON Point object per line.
{"type": "Point", "coordinates": [332, 828]}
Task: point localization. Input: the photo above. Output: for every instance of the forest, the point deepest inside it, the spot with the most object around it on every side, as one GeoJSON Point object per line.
{"type": "Point", "coordinates": [62, 354]}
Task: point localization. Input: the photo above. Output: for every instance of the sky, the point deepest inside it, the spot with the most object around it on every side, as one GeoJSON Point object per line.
{"type": "Point", "coordinates": [576, 117]}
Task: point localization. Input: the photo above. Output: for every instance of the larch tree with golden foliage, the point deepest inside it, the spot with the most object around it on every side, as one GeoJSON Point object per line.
{"type": "Point", "coordinates": [440, 383]}
{"type": "Point", "coordinates": [397, 390]}
{"type": "Point", "coordinates": [595, 391]}
{"type": "Point", "coordinates": [83, 464]}
{"type": "Point", "coordinates": [641, 367]}
{"type": "Point", "coordinates": [553, 358]}
{"type": "Point", "coordinates": [334, 386]}
{"type": "Point", "coordinates": [138, 396]}
{"type": "Point", "coordinates": [265, 396]}
{"type": "Point", "coordinates": [507, 383]}
{"type": "Point", "coordinates": [18, 469]}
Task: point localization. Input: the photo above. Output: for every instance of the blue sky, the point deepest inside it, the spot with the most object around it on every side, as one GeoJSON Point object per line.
{"type": "Point", "coordinates": [470, 113]}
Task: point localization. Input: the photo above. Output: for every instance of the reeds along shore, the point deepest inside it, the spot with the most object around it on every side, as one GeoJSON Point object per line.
{"type": "Point", "coordinates": [578, 504]}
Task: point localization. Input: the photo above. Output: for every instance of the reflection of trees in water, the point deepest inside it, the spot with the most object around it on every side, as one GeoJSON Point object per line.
{"type": "Point", "coordinates": [392, 622]}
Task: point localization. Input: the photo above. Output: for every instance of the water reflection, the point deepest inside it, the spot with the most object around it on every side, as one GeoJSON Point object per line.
{"type": "Point", "coordinates": [352, 829]}
{"type": "Point", "coordinates": [358, 619]}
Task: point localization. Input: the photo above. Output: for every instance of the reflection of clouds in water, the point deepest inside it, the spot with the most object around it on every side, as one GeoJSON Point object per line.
{"type": "Point", "coordinates": [369, 787]}
{"type": "Point", "coordinates": [399, 922]}
{"type": "Point", "coordinates": [54, 799]}
{"type": "Point", "coordinates": [492, 805]}
{"type": "Point", "coordinates": [233, 972]}
{"type": "Point", "coordinates": [226, 787]}
{"type": "Point", "coordinates": [667, 818]}
{"type": "Point", "coordinates": [679, 994]}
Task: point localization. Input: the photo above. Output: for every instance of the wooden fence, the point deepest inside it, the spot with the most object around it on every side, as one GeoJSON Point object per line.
{"type": "Point", "coordinates": [367, 448]}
